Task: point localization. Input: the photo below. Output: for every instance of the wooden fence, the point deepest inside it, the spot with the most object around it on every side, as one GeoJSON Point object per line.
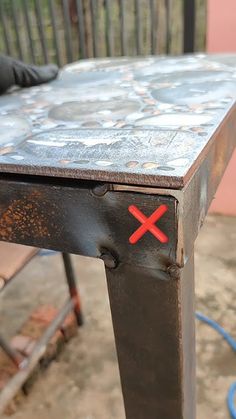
{"type": "Point", "coordinates": [62, 31]}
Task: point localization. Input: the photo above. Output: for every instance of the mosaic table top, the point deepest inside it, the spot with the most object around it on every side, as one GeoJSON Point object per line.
{"type": "Point", "coordinates": [129, 120]}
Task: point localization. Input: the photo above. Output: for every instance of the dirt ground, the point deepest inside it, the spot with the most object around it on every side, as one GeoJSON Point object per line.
{"type": "Point", "coordinates": [84, 382]}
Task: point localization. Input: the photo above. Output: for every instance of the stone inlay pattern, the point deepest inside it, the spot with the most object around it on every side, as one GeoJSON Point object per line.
{"type": "Point", "coordinates": [118, 119]}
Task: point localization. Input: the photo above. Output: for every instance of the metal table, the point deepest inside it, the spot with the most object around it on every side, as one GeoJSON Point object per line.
{"type": "Point", "coordinates": [119, 159]}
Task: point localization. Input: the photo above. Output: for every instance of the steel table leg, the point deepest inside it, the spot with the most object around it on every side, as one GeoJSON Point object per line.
{"type": "Point", "coordinates": [71, 281]}
{"type": "Point", "coordinates": [153, 323]}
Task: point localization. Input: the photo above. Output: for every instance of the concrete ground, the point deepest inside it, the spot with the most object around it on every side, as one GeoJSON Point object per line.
{"type": "Point", "coordinates": [84, 383]}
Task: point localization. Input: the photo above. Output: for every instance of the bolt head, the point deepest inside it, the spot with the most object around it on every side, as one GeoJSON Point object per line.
{"type": "Point", "coordinates": [100, 190]}
{"type": "Point", "coordinates": [174, 271]}
{"type": "Point", "coordinates": [109, 260]}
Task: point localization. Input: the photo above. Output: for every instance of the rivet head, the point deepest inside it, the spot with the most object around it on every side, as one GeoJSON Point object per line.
{"type": "Point", "coordinates": [100, 190]}
{"type": "Point", "coordinates": [109, 260]}
{"type": "Point", "coordinates": [174, 271]}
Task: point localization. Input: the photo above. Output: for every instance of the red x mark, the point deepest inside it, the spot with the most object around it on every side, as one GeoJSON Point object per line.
{"type": "Point", "coordinates": [148, 224]}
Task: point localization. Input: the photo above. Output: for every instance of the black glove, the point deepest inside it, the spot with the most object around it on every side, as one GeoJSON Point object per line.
{"type": "Point", "coordinates": [14, 72]}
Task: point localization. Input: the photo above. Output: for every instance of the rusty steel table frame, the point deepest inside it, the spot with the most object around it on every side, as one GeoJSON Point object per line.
{"type": "Point", "coordinates": [150, 284]}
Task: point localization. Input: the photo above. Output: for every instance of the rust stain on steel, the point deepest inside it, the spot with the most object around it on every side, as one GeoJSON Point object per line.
{"type": "Point", "coordinates": [25, 218]}
{"type": "Point", "coordinates": [85, 223]}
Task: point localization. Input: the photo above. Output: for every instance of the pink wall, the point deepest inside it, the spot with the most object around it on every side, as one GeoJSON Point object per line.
{"type": "Point", "coordinates": [221, 37]}
{"type": "Point", "coordinates": [221, 26]}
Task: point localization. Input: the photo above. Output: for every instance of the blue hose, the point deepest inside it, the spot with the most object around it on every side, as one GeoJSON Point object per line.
{"type": "Point", "coordinates": [46, 252]}
{"type": "Point", "coordinates": [232, 343]}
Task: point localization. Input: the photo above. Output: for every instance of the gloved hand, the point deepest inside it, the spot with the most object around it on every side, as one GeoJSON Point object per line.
{"type": "Point", "coordinates": [14, 72]}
